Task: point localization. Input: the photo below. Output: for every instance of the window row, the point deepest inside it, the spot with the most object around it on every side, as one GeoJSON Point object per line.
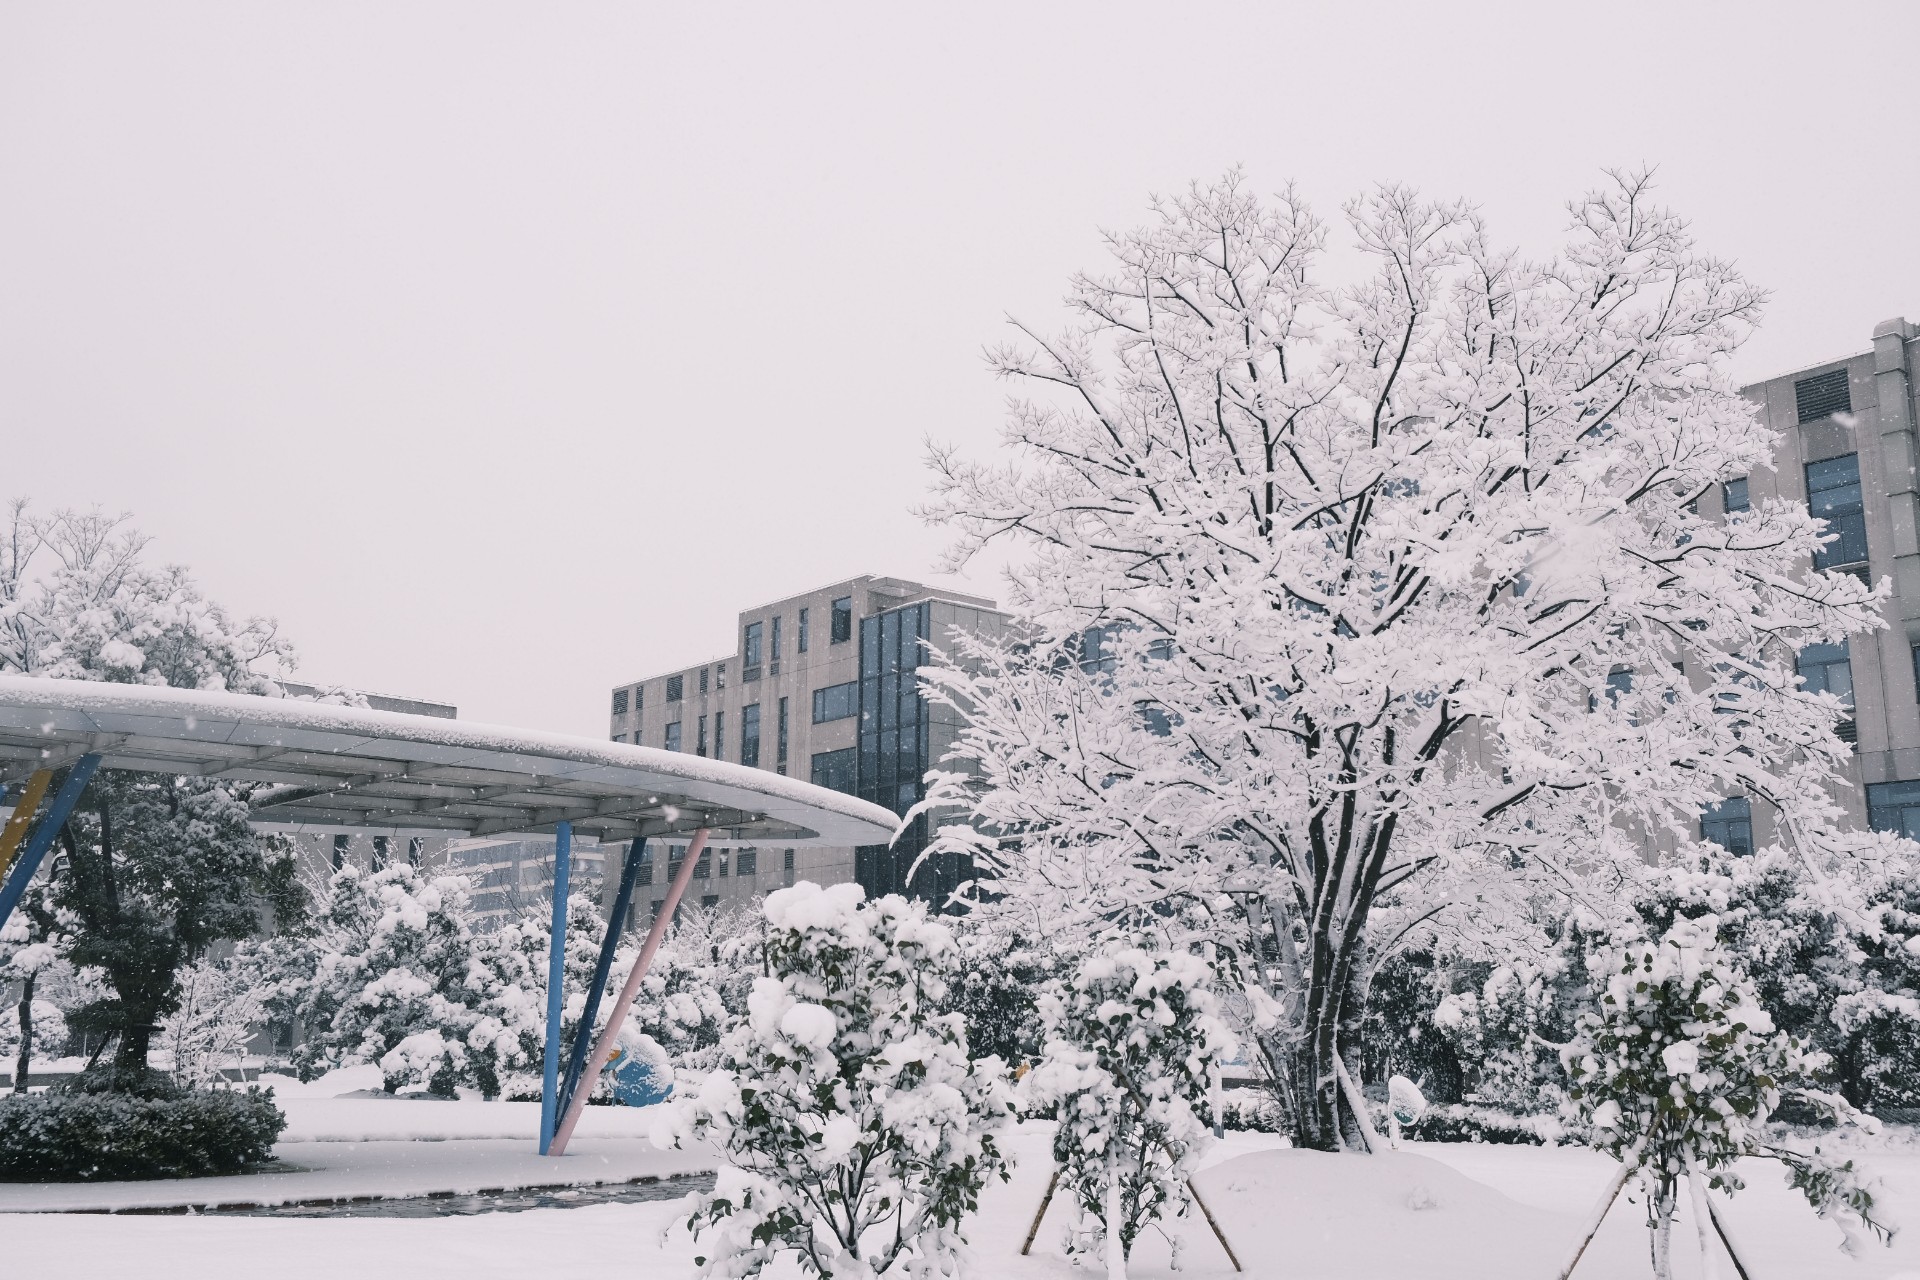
{"type": "Point", "coordinates": [714, 864]}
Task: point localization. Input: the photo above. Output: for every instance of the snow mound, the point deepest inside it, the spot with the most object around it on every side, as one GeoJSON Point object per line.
{"type": "Point", "coordinates": [1394, 1214]}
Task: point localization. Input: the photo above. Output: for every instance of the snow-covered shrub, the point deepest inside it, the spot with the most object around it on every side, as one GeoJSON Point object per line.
{"type": "Point", "coordinates": [997, 986]}
{"type": "Point", "coordinates": [696, 990]}
{"type": "Point", "coordinates": [1678, 1068]}
{"type": "Point", "coordinates": [1131, 1040]}
{"type": "Point", "coordinates": [399, 979]}
{"type": "Point", "coordinates": [858, 1133]}
{"type": "Point", "coordinates": [220, 1009]}
{"type": "Point", "coordinates": [68, 1137]}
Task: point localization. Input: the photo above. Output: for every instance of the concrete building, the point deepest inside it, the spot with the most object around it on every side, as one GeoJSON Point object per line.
{"type": "Point", "coordinates": [1848, 450]}
{"type": "Point", "coordinates": [819, 686]}
{"type": "Point", "coordinates": [514, 874]}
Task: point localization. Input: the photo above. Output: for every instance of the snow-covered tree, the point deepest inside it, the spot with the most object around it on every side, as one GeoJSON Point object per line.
{"type": "Point", "coordinates": [858, 1134]}
{"type": "Point", "coordinates": [1676, 1071]}
{"type": "Point", "coordinates": [697, 988]}
{"type": "Point", "coordinates": [1368, 598]}
{"type": "Point", "coordinates": [399, 979]}
{"type": "Point", "coordinates": [1131, 1041]}
{"type": "Point", "coordinates": [78, 601]}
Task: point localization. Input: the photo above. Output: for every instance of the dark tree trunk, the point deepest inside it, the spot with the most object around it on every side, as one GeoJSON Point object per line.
{"type": "Point", "coordinates": [130, 1055]}
{"type": "Point", "coordinates": [24, 1066]}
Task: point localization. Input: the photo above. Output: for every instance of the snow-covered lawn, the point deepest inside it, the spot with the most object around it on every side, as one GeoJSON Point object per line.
{"type": "Point", "coordinates": [1431, 1212]}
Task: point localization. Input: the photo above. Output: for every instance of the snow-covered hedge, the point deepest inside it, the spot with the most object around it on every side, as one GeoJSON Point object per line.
{"type": "Point", "coordinates": [858, 1133]}
{"type": "Point", "coordinates": [59, 1137]}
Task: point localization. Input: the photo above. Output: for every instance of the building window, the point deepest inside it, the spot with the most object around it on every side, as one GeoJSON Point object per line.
{"type": "Point", "coordinates": [750, 736]}
{"type": "Point", "coordinates": [780, 741]}
{"type": "Point", "coordinates": [639, 698]}
{"type": "Point", "coordinates": [643, 873]}
{"type": "Point", "coordinates": [719, 735]}
{"type": "Point", "coordinates": [1895, 807]}
{"type": "Point", "coordinates": [800, 641]}
{"type": "Point", "coordinates": [703, 869]}
{"type": "Point", "coordinates": [673, 736]}
{"type": "Point", "coordinates": [340, 846]}
{"type": "Point", "coordinates": [619, 702]}
{"type": "Point", "coordinates": [750, 646]}
{"type": "Point", "coordinates": [834, 769]}
{"type": "Point", "coordinates": [619, 737]}
{"type": "Point", "coordinates": [1833, 494]}
{"type": "Point", "coordinates": [415, 844]}
{"type": "Point", "coordinates": [836, 702]}
{"type": "Point", "coordinates": [704, 674]}
{"type": "Point", "coordinates": [1729, 824]}
{"type": "Point", "coordinates": [1827, 668]}
{"type": "Point", "coordinates": [746, 862]}
{"type": "Point", "coordinates": [1734, 494]}
{"type": "Point", "coordinates": [786, 860]}
{"type": "Point", "coordinates": [1916, 667]}
{"type": "Point", "coordinates": [1820, 396]}
{"type": "Point", "coordinates": [720, 676]}
{"type": "Point", "coordinates": [842, 620]}
{"type": "Point", "coordinates": [773, 650]}
{"type": "Point", "coordinates": [700, 736]}
{"type": "Point", "coordinates": [382, 849]}
{"type": "Point", "coordinates": [725, 859]}
{"type": "Point", "coordinates": [676, 688]}
{"type": "Point", "coordinates": [708, 901]}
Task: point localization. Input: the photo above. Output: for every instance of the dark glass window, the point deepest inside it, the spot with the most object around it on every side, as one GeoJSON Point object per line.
{"type": "Point", "coordinates": [1734, 492]}
{"type": "Point", "coordinates": [1827, 668]}
{"type": "Point", "coordinates": [415, 846]}
{"type": "Point", "coordinates": [1916, 668]}
{"type": "Point", "coordinates": [773, 650]}
{"type": "Point", "coordinates": [1729, 824]}
{"type": "Point", "coordinates": [1817, 397]}
{"type": "Point", "coordinates": [1894, 806]}
{"type": "Point", "coordinates": [709, 901]}
{"type": "Point", "coordinates": [639, 698]}
{"type": "Point", "coordinates": [834, 769]}
{"type": "Point", "coordinates": [700, 737]}
{"type": "Point", "coordinates": [382, 846]}
{"type": "Point", "coordinates": [643, 874]}
{"type": "Point", "coordinates": [750, 735]}
{"type": "Point", "coordinates": [673, 736]}
{"type": "Point", "coordinates": [836, 702]}
{"type": "Point", "coordinates": [340, 846]}
{"type": "Point", "coordinates": [842, 620]}
{"type": "Point", "coordinates": [619, 737]}
{"type": "Point", "coordinates": [800, 640]}
{"type": "Point", "coordinates": [720, 676]}
{"type": "Point", "coordinates": [786, 859]}
{"type": "Point", "coordinates": [719, 735]}
{"type": "Point", "coordinates": [750, 644]}
{"type": "Point", "coordinates": [1833, 494]}
{"type": "Point", "coordinates": [704, 674]}
{"type": "Point", "coordinates": [780, 757]}
{"type": "Point", "coordinates": [619, 702]}
{"type": "Point", "coordinates": [746, 862]}
{"type": "Point", "coordinates": [703, 869]}
{"type": "Point", "coordinates": [676, 688]}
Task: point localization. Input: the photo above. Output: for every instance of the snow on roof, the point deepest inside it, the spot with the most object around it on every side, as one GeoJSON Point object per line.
{"type": "Point", "coordinates": [346, 768]}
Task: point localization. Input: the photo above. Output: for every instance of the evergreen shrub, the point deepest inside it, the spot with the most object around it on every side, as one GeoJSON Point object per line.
{"type": "Point", "coordinates": [98, 1137]}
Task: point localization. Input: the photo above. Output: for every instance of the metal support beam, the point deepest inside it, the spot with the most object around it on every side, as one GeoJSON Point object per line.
{"type": "Point", "coordinates": [616, 925]}
{"type": "Point", "coordinates": [603, 1047]}
{"type": "Point", "coordinates": [556, 982]}
{"type": "Point", "coordinates": [43, 833]}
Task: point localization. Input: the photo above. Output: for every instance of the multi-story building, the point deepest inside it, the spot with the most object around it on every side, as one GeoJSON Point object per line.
{"type": "Point", "coordinates": [514, 874]}
{"type": "Point", "coordinates": [1848, 450]}
{"type": "Point", "coordinates": [819, 686]}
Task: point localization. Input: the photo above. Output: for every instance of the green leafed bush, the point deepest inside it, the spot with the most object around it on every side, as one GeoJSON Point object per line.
{"type": "Point", "coordinates": [98, 1137]}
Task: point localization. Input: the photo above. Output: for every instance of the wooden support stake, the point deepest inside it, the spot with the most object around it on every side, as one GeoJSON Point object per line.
{"type": "Point", "coordinates": [23, 810]}
{"type": "Point", "coordinates": [1719, 1227]}
{"type": "Point", "coordinates": [1599, 1215]}
{"type": "Point", "coordinates": [1053, 1184]}
{"type": "Point", "coordinates": [1218, 1234]}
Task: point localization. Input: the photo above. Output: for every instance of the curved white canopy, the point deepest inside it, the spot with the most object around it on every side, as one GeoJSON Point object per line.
{"type": "Point", "coordinates": [343, 768]}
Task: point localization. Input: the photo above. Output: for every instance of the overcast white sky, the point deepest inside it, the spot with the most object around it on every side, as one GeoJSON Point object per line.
{"type": "Point", "coordinates": [504, 352]}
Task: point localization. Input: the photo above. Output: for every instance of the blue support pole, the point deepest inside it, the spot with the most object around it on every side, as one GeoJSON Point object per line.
{"type": "Point", "coordinates": [583, 1038]}
{"type": "Point", "coordinates": [556, 981]}
{"type": "Point", "coordinates": [42, 838]}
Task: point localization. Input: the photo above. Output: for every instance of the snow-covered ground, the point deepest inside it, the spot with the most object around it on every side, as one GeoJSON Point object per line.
{"type": "Point", "coordinates": [1430, 1212]}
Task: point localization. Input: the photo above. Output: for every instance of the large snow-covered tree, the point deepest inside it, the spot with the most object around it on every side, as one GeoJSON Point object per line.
{"type": "Point", "coordinates": [1359, 599]}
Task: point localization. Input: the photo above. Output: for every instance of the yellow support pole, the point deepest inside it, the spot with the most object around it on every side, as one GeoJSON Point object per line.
{"type": "Point", "coordinates": [22, 820]}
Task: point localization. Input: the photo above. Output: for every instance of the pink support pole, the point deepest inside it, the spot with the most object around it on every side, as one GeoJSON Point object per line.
{"type": "Point", "coordinates": [603, 1047]}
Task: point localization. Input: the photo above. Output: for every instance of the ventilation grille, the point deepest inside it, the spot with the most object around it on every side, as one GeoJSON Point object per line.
{"type": "Point", "coordinates": [1821, 396]}
{"type": "Point", "coordinates": [1847, 731]}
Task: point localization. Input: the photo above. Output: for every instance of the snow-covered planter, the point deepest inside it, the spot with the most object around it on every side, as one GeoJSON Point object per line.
{"type": "Point", "coordinates": [1676, 1071]}
{"type": "Point", "coordinates": [1131, 1041]}
{"type": "Point", "coordinates": [858, 1132]}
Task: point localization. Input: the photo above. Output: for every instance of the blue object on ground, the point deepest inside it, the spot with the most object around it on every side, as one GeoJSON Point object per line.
{"type": "Point", "coordinates": [634, 1081]}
